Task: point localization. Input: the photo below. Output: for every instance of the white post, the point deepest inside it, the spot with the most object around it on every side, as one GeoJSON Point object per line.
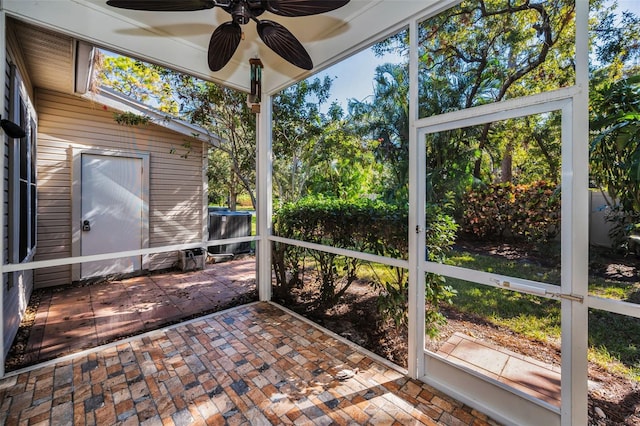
{"type": "Point", "coordinates": [575, 238]}
{"type": "Point", "coordinates": [264, 208]}
{"type": "Point", "coordinates": [205, 198]}
{"type": "Point", "coordinates": [416, 218]}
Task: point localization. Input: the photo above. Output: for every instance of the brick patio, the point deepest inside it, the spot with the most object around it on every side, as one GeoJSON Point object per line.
{"type": "Point", "coordinates": [255, 364]}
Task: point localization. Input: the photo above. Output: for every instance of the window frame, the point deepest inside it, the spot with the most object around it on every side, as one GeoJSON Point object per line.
{"type": "Point", "coordinates": [23, 187]}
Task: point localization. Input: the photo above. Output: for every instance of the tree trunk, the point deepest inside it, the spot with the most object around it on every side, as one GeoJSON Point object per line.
{"type": "Point", "coordinates": [506, 166]}
{"type": "Point", "coordinates": [483, 139]}
{"type": "Point", "coordinates": [233, 201]}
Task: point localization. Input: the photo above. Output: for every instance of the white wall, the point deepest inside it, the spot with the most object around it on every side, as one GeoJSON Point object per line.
{"type": "Point", "coordinates": [175, 183]}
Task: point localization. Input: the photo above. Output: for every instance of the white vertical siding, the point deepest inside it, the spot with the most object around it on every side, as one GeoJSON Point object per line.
{"type": "Point", "coordinates": [7, 332]}
{"type": "Point", "coordinates": [17, 287]}
{"type": "Point", "coordinates": [175, 183]}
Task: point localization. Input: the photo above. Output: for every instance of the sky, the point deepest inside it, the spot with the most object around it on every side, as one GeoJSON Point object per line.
{"type": "Point", "coordinates": [631, 5]}
{"type": "Point", "coordinates": [353, 77]}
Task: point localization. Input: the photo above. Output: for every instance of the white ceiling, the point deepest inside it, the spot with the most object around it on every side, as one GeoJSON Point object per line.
{"type": "Point", "coordinates": [179, 40]}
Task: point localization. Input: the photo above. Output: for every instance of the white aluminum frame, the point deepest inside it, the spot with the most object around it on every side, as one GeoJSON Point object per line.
{"type": "Point", "coordinates": [501, 402]}
{"type": "Point", "coordinates": [264, 208]}
{"type": "Point", "coordinates": [574, 104]}
{"type": "Point", "coordinates": [3, 137]}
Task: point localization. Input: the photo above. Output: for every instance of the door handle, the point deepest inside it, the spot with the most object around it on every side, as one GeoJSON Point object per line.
{"type": "Point", "coordinates": [86, 226]}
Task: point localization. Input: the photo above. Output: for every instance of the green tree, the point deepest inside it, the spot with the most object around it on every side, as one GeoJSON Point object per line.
{"type": "Point", "coordinates": [487, 51]}
{"type": "Point", "coordinates": [345, 167]}
{"type": "Point", "coordinates": [615, 152]}
{"type": "Point", "coordinates": [614, 121]}
{"type": "Point", "coordinates": [499, 50]}
{"type": "Point", "coordinates": [224, 112]}
{"type": "Point", "coordinates": [385, 120]}
{"type": "Point", "coordinates": [219, 110]}
{"type": "Point", "coordinates": [298, 130]}
{"type": "Point", "coordinates": [614, 41]}
{"type": "Point", "coordinates": [138, 80]}
{"type": "Point", "coordinates": [219, 175]}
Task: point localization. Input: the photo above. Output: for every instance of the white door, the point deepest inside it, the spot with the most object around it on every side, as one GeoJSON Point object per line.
{"type": "Point", "coordinates": [112, 212]}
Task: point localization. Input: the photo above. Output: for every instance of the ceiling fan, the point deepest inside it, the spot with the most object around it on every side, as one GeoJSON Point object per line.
{"type": "Point", "coordinates": [226, 38]}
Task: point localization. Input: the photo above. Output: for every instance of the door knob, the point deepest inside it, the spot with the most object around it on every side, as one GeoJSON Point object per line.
{"type": "Point", "coordinates": [86, 226]}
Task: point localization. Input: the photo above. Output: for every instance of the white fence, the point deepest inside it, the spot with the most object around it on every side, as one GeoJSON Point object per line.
{"type": "Point", "coordinates": [598, 225]}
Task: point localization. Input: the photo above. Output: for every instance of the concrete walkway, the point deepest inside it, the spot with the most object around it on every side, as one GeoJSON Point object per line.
{"type": "Point", "coordinates": [526, 374]}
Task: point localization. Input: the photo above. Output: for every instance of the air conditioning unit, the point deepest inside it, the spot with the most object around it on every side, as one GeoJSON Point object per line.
{"type": "Point", "coordinates": [229, 224]}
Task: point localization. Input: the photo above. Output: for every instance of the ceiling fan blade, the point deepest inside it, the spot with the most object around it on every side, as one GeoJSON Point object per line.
{"type": "Point", "coordinates": [224, 42]}
{"type": "Point", "coordinates": [285, 44]}
{"type": "Point", "coordinates": [163, 5]}
{"type": "Point", "coordinates": [302, 7]}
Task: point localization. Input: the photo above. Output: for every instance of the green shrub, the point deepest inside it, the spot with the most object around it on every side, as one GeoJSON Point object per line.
{"type": "Point", "coordinates": [519, 212]}
{"type": "Point", "coordinates": [361, 225]}
{"type": "Point", "coordinates": [614, 163]}
{"type": "Point", "coordinates": [439, 238]}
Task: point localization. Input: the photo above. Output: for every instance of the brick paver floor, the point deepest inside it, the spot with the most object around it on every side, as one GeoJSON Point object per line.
{"type": "Point", "coordinates": [255, 364]}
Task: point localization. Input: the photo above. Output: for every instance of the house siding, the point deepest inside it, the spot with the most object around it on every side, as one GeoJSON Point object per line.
{"type": "Point", "coordinates": [176, 198]}
{"type": "Point", "coordinates": [8, 326]}
{"type": "Point", "coordinates": [17, 286]}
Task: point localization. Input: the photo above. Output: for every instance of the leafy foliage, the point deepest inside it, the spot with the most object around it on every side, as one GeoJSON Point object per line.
{"type": "Point", "coordinates": [520, 212]}
{"type": "Point", "coordinates": [385, 120]}
{"type": "Point", "coordinates": [223, 112]}
{"type": "Point", "coordinates": [361, 225]}
{"type": "Point", "coordinates": [615, 153]}
{"type": "Point", "coordinates": [392, 303]}
{"type": "Point", "coordinates": [131, 119]}
{"type": "Point", "coordinates": [489, 50]}
{"type": "Point", "coordinates": [345, 167]}
{"type": "Point", "coordinates": [299, 130]}
{"type": "Point", "coordinates": [614, 37]}
{"type": "Point", "coordinates": [139, 80]}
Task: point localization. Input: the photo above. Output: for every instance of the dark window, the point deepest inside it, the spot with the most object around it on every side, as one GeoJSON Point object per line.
{"type": "Point", "coordinates": [22, 169]}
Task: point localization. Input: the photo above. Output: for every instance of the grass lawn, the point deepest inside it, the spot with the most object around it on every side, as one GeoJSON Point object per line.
{"type": "Point", "coordinates": [614, 340]}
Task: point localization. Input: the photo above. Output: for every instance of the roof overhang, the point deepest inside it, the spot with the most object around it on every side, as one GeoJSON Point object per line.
{"type": "Point", "coordinates": [117, 101]}
{"type": "Point", "coordinates": [179, 40]}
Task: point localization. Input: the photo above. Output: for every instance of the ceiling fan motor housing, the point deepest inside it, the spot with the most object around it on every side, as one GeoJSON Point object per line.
{"type": "Point", "coordinates": [243, 11]}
